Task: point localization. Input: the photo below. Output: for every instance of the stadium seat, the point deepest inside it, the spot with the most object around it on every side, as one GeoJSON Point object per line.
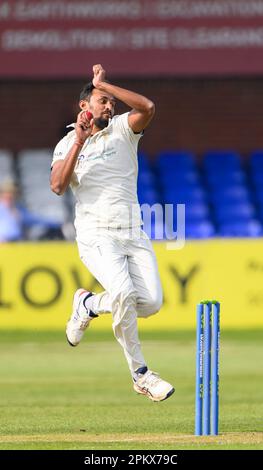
{"type": "Point", "coordinates": [234, 212]}
{"type": "Point", "coordinates": [233, 194]}
{"type": "Point", "coordinates": [34, 172]}
{"type": "Point", "coordinates": [259, 196]}
{"type": "Point", "coordinates": [196, 220]}
{"type": "Point", "coordinates": [159, 231]}
{"type": "Point", "coordinates": [204, 229]}
{"type": "Point", "coordinates": [148, 195]}
{"type": "Point", "coordinates": [7, 171]}
{"type": "Point", "coordinates": [224, 179]}
{"type": "Point", "coordinates": [256, 160]}
{"type": "Point", "coordinates": [257, 179]}
{"type": "Point", "coordinates": [196, 211]}
{"type": "Point", "coordinates": [260, 211]}
{"type": "Point", "coordinates": [221, 159]}
{"type": "Point", "coordinates": [184, 195]}
{"type": "Point", "coordinates": [175, 178]}
{"type": "Point", "coordinates": [252, 228]}
{"type": "Point", "coordinates": [143, 161]}
{"type": "Point", "coordinates": [179, 160]}
{"type": "Point", "coordinates": [146, 178]}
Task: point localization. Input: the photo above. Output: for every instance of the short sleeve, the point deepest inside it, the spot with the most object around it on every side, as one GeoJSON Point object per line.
{"type": "Point", "coordinates": [60, 151]}
{"type": "Point", "coordinates": [123, 124]}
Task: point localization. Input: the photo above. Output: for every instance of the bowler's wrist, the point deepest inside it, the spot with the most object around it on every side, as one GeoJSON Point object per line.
{"type": "Point", "coordinates": [79, 142]}
{"type": "Point", "coordinates": [101, 86]}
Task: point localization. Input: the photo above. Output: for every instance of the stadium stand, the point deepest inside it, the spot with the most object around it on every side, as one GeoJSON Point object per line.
{"type": "Point", "coordinates": [222, 196]}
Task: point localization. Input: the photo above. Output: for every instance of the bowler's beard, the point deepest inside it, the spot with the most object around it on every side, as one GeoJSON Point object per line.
{"type": "Point", "coordinates": [101, 123]}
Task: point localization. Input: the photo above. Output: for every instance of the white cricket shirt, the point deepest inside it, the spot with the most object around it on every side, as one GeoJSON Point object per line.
{"type": "Point", "coordinates": [104, 181]}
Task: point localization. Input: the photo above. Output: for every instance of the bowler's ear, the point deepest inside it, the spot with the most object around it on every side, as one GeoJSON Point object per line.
{"type": "Point", "coordinates": [83, 104]}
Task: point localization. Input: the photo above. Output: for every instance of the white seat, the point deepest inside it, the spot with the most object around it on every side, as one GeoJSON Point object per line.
{"type": "Point", "coordinates": [7, 171]}
{"type": "Point", "coordinates": [34, 170]}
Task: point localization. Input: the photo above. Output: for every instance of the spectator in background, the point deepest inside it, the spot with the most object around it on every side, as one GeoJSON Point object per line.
{"type": "Point", "coordinates": [17, 223]}
{"type": "Point", "coordinates": [10, 217]}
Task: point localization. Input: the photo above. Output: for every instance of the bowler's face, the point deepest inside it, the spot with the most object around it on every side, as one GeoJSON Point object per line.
{"type": "Point", "coordinates": [101, 105]}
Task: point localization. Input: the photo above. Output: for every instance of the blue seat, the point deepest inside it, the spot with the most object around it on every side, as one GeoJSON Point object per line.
{"type": "Point", "coordinates": [165, 227]}
{"type": "Point", "coordinates": [256, 160]}
{"type": "Point", "coordinates": [198, 230]}
{"type": "Point", "coordinates": [234, 212]}
{"type": "Point", "coordinates": [145, 173]}
{"type": "Point", "coordinates": [232, 194]}
{"type": "Point", "coordinates": [221, 159]}
{"type": "Point", "coordinates": [224, 179]}
{"type": "Point", "coordinates": [259, 195]}
{"type": "Point", "coordinates": [251, 228]}
{"type": "Point", "coordinates": [146, 178]}
{"type": "Point", "coordinates": [143, 161]}
{"type": "Point", "coordinates": [191, 191]}
{"type": "Point", "coordinates": [193, 212]}
{"type": "Point", "coordinates": [175, 178]}
{"type": "Point", "coordinates": [181, 187]}
{"type": "Point", "coordinates": [148, 196]}
{"type": "Point", "coordinates": [257, 178]}
{"type": "Point", "coordinates": [175, 159]}
{"type": "Point", "coordinates": [196, 211]}
{"type": "Point", "coordinates": [260, 211]}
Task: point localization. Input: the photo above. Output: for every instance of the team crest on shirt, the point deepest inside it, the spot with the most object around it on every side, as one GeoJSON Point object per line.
{"type": "Point", "coordinates": [83, 159]}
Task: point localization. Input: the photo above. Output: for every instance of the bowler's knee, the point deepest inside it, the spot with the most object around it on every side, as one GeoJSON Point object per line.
{"type": "Point", "coordinates": [123, 310]}
{"type": "Point", "coordinates": [152, 304]}
{"type": "Point", "coordinates": [123, 299]}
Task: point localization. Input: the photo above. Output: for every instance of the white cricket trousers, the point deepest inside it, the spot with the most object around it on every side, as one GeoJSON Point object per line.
{"type": "Point", "coordinates": [126, 267]}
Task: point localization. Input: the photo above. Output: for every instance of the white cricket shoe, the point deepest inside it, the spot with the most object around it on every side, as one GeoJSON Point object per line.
{"type": "Point", "coordinates": [151, 385]}
{"type": "Point", "coordinates": [80, 318]}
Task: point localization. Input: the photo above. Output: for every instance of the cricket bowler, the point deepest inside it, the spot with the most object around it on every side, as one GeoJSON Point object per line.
{"type": "Point", "coordinates": [98, 160]}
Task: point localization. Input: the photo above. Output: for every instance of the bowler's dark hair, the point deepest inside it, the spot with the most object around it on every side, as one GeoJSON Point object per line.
{"type": "Point", "coordinates": [86, 91]}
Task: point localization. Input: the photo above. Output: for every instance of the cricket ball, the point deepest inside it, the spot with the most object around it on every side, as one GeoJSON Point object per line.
{"type": "Point", "coordinates": [89, 115]}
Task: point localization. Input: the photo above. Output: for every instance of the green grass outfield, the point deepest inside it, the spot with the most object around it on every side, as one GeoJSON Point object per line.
{"type": "Point", "coordinates": [57, 397]}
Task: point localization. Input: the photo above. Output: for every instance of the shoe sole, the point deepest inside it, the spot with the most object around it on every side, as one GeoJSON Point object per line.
{"type": "Point", "coordinates": [73, 345]}
{"type": "Point", "coordinates": [168, 394]}
{"type": "Point", "coordinates": [75, 306]}
{"type": "Point", "coordinates": [150, 396]}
